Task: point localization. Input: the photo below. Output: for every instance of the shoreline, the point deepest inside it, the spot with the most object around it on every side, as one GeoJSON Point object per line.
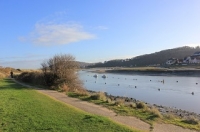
{"type": "Point", "coordinates": [162, 72]}
{"type": "Point", "coordinates": [164, 110]}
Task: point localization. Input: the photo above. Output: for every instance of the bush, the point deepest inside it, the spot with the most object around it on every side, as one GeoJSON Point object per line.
{"type": "Point", "coordinates": [156, 112]}
{"type": "Point", "coordinates": [31, 77]}
{"type": "Point", "coordinates": [132, 105]}
{"type": "Point", "coordinates": [99, 96]}
{"type": "Point", "coordinates": [141, 105]}
{"type": "Point", "coordinates": [60, 72]}
{"type": "Point", "coordinates": [109, 100]}
{"type": "Point", "coordinates": [119, 101]}
{"type": "Point", "coordinates": [191, 120]}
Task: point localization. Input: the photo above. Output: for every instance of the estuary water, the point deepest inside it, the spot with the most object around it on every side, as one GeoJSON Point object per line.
{"type": "Point", "coordinates": [172, 91]}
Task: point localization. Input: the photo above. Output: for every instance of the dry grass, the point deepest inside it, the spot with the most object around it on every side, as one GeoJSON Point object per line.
{"type": "Point", "coordinates": [109, 100]}
{"type": "Point", "coordinates": [169, 116]}
{"type": "Point", "coordinates": [132, 105]}
{"type": "Point", "coordinates": [155, 112]}
{"type": "Point", "coordinates": [191, 120]}
{"type": "Point", "coordinates": [99, 96]}
{"type": "Point", "coordinates": [141, 105]}
{"type": "Point", "coordinates": [120, 102]}
{"type": "Point", "coordinates": [5, 71]}
{"type": "Point", "coordinates": [2, 75]}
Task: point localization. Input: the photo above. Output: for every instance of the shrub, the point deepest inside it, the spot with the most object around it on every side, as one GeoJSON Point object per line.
{"type": "Point", "coordinates": [109, 100]}
{"type": "Point", "coordinates": [156, 112]}
{"type": "Point", "coordinates": [132, 105]}
{"type": "Point", "coordinates": [191, 120]}
{"type": "Point", "coordinates": [60, 72]}
{"type": "Point", "coordinates": [31, 77]}
{"type": "Point", "coordinates": [99, 96]}
{"type": "Point", "coordinates": [141, 105]}
{"type": "Point", "coordinates": [119, 101]}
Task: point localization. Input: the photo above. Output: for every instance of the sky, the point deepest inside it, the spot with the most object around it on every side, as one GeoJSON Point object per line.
{"type": "Point", "coordinates": [32, 31]}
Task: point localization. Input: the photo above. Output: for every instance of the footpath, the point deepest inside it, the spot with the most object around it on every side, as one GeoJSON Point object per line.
{"type": "Point", "coordinates": [130, 121]}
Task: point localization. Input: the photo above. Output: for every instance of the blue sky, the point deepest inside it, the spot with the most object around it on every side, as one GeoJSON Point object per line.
{"type": "Point", "coordinates": [93, 30]}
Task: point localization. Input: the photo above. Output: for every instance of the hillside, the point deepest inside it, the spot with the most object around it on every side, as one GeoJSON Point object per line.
{"type": "Point", "coordinates": [84, 64]}
{"type": "Point", "coordinates": [151, 59]}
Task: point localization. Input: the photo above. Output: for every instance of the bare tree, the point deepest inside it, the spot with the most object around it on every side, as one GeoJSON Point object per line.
{"type": "Point", "coordinates": [60, 71]}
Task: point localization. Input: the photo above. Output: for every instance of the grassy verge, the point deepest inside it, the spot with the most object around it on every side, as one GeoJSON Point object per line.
{"type": "Point", "coordinates": [23, 109]}
{"type": "Point", "coordinates": [140, 111]}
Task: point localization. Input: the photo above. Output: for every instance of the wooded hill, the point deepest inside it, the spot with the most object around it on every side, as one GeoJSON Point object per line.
{"type": "Point", "coordinates": [150, 59]}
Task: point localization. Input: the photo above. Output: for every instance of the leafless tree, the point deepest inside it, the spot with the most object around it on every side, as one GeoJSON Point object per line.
{"type": "Point", "coordinates": [60, 71]}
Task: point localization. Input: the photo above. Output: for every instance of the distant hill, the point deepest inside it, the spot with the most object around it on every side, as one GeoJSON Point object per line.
{"type": "Point", "coordinates": [151, 59]}
{"type": "Point", "coordinates": [84, 64]}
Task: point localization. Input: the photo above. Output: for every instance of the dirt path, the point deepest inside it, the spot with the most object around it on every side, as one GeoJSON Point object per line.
{"type": "Point", "coordinates": [130, 121]}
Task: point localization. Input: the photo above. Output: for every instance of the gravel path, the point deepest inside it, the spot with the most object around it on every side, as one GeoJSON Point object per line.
{"type": "Point", "coordinates": [130, 121]}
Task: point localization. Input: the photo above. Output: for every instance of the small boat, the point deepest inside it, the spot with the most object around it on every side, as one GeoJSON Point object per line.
{"type": "Point", "coordinates": [104, 76]}
{"type": "Point", "coordinates": [95, 75]}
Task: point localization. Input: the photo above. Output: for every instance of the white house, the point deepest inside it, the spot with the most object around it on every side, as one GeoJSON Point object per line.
{"type": "Point", "coordinates": [196, 53]}
{"type": "Point", "coordinates": [171, 61]}
{"type": "Point", "coordinates": [194, 59]}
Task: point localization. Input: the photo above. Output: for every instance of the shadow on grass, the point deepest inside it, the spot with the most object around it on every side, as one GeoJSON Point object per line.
{"type": "Point", "coordinates": [9, 84]}
{"type": "Point", "coordinates": [152, 117]}
{"type": "Point", "coordinates": [191, 122]}
{"type": "Point", "coordinates": [89, 118]}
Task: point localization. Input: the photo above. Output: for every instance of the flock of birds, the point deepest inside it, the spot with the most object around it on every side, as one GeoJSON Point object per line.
{"type": "Point", "coordinates": [104, 76]}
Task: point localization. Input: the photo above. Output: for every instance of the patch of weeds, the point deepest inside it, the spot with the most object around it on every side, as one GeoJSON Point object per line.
{"type": "Point", "coordinates": [155, 112]}
{"type": "Point", "coordinates": [191, 120]}
{"type": "Point", "coordinates": [99, 96]}
{"type": "Point", "coordinates": [132, 105]}
{"type": "Point", "coordinates": [119, 102]}
{"type": "Point", "coordinates": [141, 105]}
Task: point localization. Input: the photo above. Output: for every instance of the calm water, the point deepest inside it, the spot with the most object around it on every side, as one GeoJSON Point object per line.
{"type": "Point", "coordinates": [174, 92]}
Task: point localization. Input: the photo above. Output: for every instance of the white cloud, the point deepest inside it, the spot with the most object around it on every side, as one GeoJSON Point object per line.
{"type": "Point", "coordinates": [57, 34]}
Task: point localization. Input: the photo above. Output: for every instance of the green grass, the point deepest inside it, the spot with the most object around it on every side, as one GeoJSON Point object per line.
{"type": "Point", "coordinates": [183, 123]}
{"type": "Point", "coordinates": [24, 109]}
{"type": "Point", "coordinates": [120, 109]}
{"type": "Point", "coordinates": [149, 116]}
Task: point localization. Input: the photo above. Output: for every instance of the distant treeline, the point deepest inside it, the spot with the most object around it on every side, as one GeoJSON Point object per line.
{"type": "Point", "coordinates": [150, 59]}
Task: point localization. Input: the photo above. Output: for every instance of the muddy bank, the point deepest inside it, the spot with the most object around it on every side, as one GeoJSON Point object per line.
{"type": "Point", "coordinates": [194, 73]}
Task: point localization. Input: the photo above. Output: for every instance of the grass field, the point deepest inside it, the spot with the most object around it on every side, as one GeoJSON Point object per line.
{"type": "Point", "coordinates": [23, 109]}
